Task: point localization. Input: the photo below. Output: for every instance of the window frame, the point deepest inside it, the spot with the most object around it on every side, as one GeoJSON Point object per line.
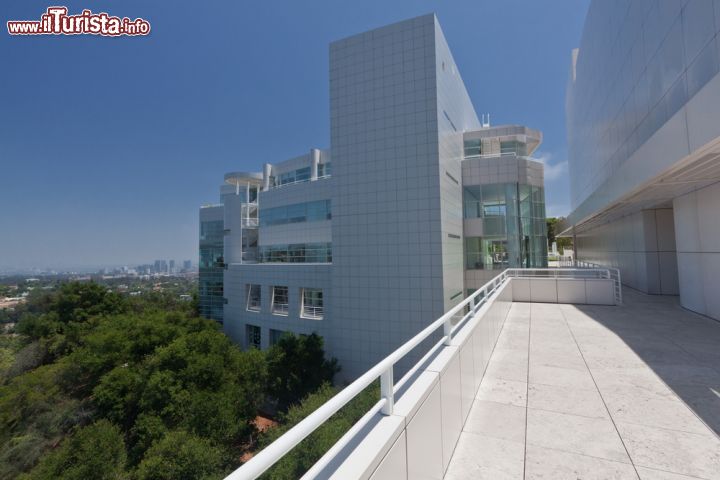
{"type": "Point", "coordinates": [258, 330]}
{"type": "Point", "coordinates": [282, 309]}
{"type": "Point", "coordinates": [247, 300]}
{"type": "Point", "coordinates": [304, 313]}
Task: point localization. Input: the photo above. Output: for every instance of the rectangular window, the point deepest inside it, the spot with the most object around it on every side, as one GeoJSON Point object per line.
{"type": "Point", "coordinates": [324, 170]}
{"type": "Point", "coordinates": [473, 148]}
{"type": "Point", "coordinates": [296, 253]}
{"type": "Point", "coordinates": [254, 298]}
{"type": "Point", "coordinates": [312, 303]}
{"type": "Point", "coordinates": [513, 147]}
{"type": "Point", "coordinates": [252, 336]}
{"type": "Point", "coordinates": [296, 213]}
{"type": "Point", "coordinates": [280, 300]}
{"type": "Point", "coordinates": [275, 336]}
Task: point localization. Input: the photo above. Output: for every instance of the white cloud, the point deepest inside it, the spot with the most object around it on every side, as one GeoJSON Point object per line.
{"type": "Point", "coordinates": [552, 171]}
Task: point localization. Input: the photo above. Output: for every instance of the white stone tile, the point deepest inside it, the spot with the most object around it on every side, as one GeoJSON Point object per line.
{"type": "Point", "coordinates": [672, 451]}
{"type": "Point", "coordinates": [551, 464]}
{"type": "Point", "coordinates": [561, 377]}
{"type": "Point", "coordinates": [631, 407]}
{"type": "Point", "coordinates": [652, 474]}
{"type": "Point", "coordinates": [487, 458]}
{"type": "Point", "coordinates": [503, 391]}
{"type": "Point", "coordinates": [498, 420]}
{"type": "Point", "coordinates": [571, 433]}
{"type": "Point", "coordinates": [573, 401]}
{"type": "Point", "coordinates": [508, 365]}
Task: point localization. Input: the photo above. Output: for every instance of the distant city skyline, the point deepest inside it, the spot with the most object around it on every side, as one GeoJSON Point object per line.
{"type": "Point", "coordinates": [180, 264]}
{"type": "Point", "coordinates": [108, 166]}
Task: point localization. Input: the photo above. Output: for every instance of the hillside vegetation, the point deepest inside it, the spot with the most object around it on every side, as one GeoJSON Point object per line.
{"type": "Point", "coordinates": [96, 385]}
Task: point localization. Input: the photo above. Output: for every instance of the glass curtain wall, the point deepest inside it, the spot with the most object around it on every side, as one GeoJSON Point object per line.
{"type": "Point", "coordinates": [513, 221]}
{"type": "Point", "coordinates": [211, 266]}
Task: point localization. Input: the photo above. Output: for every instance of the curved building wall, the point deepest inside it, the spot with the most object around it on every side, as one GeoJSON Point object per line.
{"type": "Point", "coordinates": [638, 64]}
{"type": "Point", "coordinates": [643, 120]}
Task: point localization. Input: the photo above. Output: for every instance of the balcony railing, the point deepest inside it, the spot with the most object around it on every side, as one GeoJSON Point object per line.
{"type": "Point", "coordinates": [280, 308]}
{"type": "Point", "coordinates": [459, 321]}
{"type": "Point", "coordinates": [311, 311]}
{"type": "Point", "coordinates": [613, 273]}
{"type": "Point", "coordinates": [295, 182]}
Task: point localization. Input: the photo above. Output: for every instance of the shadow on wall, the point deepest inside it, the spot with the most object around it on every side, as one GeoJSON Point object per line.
{"type": "Point", "coordinates": [681, 347]}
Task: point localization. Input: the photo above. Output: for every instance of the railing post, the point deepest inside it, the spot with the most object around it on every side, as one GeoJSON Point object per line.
{"type": "Point", "coordinates": [447, 330]}
{"type": "Point", "coordinates": [386, 391]}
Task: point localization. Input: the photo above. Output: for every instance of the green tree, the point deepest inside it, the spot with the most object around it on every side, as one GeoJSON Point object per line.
{"type": "Point", "coordinates": [93, 452]}
{"type": "Point", "coordinates": [180, 455]}
{"type": "Point", "coordinates": [79, 301]}
{"type": "Point", "coordinates": [306, 453]}
{"type": "Point", "coordinates": [553, 224]}
{"type": "Point", "coordinates": [296, 367]}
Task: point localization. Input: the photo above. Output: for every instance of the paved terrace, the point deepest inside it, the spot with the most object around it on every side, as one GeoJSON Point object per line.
{"type": "Point", "coordinates": [586, 392]}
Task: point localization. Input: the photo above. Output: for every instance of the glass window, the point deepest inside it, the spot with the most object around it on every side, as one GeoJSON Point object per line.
{"type": "Point", "coordinates": [312, 306]}
{"type": "Point", "coordinates": [324, 170]}
{"type": "Point", "coordinates": [280, 300]}
{"type": "Point", "coordinates": [302, 174]}
{"type": "Point", "coordinates": [252, 336]}
{"type": "Point", "coordinates": [473, 147]}
{"type": "Point", "coordinates": [296, 253]}
{"type": "Point", "coordinates": [473, 253]}
{"type": "Point", "coordinates": [275, 336]}
{"type": "Point", "coordinates": [496, 253]}
{"type": "Point", "coordinates": [494, 226]}
{"type": "Point", "coordinates": [254, 298]}
{"type": "Point", "coordinates": [472, 201]}
{"type": "Point", "coordinates": [513, 147]}
{"type": "Point", "coordinates": [296, 213]}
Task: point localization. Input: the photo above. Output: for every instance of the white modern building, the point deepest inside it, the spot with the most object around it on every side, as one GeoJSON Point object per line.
{"type": "Point", "coordinates": [643, 113]}
{"type": "Point", "coordinates": [415, 204]}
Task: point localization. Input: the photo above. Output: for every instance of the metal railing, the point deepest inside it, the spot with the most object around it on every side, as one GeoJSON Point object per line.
{"type": "Point", "coordinates": [295, 182]}
{"type": "Point", "coordinates": [280, 308]}
{"type": "Point", "coordinates": [613, 273]}
{"type": "Point", "coordinates": [451, 322]}
{"type": "Point", "coordinates": [312, 311]}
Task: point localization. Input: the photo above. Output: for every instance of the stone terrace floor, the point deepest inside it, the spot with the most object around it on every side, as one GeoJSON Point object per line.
{"type": "Point", "coordinates": [590, 392]}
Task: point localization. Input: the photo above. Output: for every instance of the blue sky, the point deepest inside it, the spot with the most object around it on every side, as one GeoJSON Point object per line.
{"type": "Point", "coordinates": [109, 145]}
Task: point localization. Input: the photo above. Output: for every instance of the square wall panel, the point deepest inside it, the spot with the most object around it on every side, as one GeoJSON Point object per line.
{"type": "Point", "coordinates": [571, 291]}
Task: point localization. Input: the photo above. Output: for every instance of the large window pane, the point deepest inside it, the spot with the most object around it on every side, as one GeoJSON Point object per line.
{"type": "Point", "coordinates": [254, 298]}
{"type": "Point", "coordinates": [280, 300]}
{"type": "Point", "coordinates": [252, 335]}
{"type": "Point", "coordinates": [312, 303]}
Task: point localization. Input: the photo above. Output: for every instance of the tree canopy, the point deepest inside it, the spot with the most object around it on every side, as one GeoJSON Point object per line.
{"type": "Point", "coordinates": [105, 387]}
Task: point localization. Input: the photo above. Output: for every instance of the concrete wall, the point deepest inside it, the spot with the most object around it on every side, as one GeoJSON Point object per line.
{"type": "Point", "coordinates": [697, 233]}
{"type": "Point", "coordinates": [641, 246]}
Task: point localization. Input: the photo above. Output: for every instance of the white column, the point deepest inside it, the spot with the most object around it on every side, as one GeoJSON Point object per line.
{"type": "Point", "coordinates": [314, 162]}
{"type": "Point", "coordinates": [267, 171]}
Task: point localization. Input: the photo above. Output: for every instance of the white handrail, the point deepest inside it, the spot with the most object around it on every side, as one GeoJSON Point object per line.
{"type": "Point", "coordinates": [276, 450]}
{"type": "Point", "coordinates": [613, 274]}
{"type": "Point", "coordinates": [267, 457]}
